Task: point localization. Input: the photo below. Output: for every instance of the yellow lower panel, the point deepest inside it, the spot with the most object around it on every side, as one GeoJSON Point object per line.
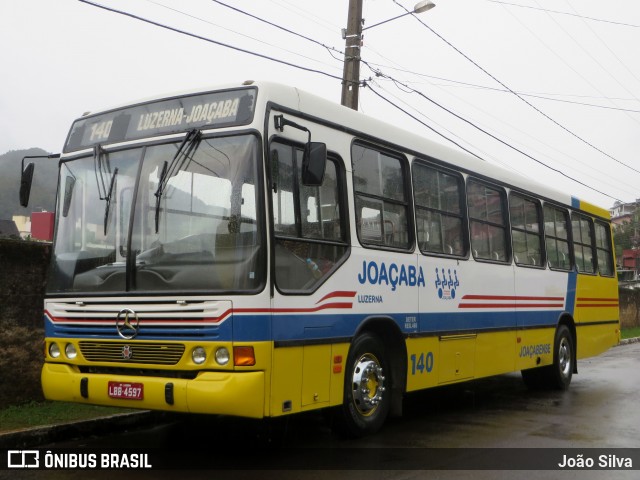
{"type": "Point", "coordinates": [535, 348]}
{"type": "Point", "coordinates": [494, 353]}
{"type": "Point", "coordinates": [225, 393]}
{"type": "Point", "coordinates": [595, 339]}
{"type": "Point", "coordinates": [307, 377]}
{"type": "Point", "coordinates": [423, 357]}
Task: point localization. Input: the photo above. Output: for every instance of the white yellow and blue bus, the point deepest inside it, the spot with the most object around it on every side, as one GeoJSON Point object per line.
{"type": "Point", "coordinates": [209, 257]}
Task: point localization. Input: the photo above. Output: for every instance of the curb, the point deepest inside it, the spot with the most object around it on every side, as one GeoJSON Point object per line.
{"type": "Point", "coordinates": [31, 437]}
{"type": "Point", "coordinates": [627, 341]}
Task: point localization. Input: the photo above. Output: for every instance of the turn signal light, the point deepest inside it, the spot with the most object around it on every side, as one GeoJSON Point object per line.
{"type": "Point", "coordinates": [243, 356]}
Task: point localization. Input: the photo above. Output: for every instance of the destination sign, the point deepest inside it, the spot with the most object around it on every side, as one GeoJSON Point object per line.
{"type": "Point", "coordinates": [174, 115]}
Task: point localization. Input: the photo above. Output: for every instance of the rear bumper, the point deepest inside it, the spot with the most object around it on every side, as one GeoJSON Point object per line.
{"type": "Point", "coordinates": [224, 393]}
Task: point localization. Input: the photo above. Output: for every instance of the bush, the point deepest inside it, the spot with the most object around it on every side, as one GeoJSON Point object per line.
{"type": "Point", "coordinates": [20, 364]}
{"type": "Point", "coordinates": [629, 308]}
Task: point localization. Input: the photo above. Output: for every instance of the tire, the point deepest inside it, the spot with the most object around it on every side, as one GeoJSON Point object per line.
{"type": "Point", "coordinates": [367, 388]}
{"type": "Point", "coordinates": [558, 375]}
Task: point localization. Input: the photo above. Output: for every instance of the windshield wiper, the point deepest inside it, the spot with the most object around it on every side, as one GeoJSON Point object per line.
{"type": "Point", "coordinates": [108, 199]}
{"type": "Point", "coordinates": [102, 168]}
{"type": "Point", "coordinates": [187, 148]}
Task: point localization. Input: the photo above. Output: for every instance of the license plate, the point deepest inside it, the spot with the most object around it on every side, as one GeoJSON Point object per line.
{"type": "Point", "coordinates": [128, 391]}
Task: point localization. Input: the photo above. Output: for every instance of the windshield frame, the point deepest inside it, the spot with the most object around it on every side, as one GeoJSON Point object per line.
{"type": "Point", "coordinates": [141, 147]}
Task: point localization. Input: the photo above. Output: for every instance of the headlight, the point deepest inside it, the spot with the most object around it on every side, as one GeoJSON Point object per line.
{"type": "Point", "coordinates": [70, 351]}
{"type": "Point", "coordinates": [222, 356]}
{"type": "Point", "coordinates": [199, 355]}
{"type": "Point", "coordinates": [54, 350]}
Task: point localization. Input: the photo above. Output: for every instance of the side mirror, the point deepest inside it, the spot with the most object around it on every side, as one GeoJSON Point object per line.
{"type": "Point", "coordinates": [25, 183]}
{"type": "Point", "coordinates": [314, 163]}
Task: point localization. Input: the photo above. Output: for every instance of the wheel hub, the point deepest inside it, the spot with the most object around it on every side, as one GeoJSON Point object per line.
{"type": "Point", "coordinates": [368, 384]}
{"type": "Point", "coordinates": [564, 357]}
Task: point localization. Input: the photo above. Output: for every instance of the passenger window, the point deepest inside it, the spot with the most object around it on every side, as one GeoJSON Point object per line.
{"type": "Point", "coordinates": [526, 231]}
{"type": "Point", "coordinates": [310, 237]}
{"type": "Point", "coordinates": [583, 247]}
{"type": "Point", "coordinates": [439, 211]}
{"type": "Point", "coordinates": [487, 218]}
{"type": "Point", "coordinates": [604, 250]}
{"type": "Point", "coordinates": [556, 230]}
{"type": "Point", "coordinates": [382, 209]}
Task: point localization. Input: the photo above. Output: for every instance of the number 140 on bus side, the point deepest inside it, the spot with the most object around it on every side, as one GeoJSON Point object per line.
{"type": "Point", "coordinates": [422, 363]}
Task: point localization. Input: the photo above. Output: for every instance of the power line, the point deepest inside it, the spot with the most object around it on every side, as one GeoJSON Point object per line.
{"type": "Point", "coordinates": [542, 95]}
{"type": "Point", "coordinates": [491, 135]}
{"type": "Point", "coordinates": [575, 135]}
{"type": "Point", "coordinates": [613, 54]}
{"type": "Point", "coordinates": [574, 162]}
{"type": "Point", "coordinates": [209, 40]}
{"type": "Point", "coordinates": [421, 122]}
{"type": "Point", "coordinates": [291, 7]}
{"type": "Point", "coordinates": [421, 113]}
{"type": "Point", "coordinates": [236, 33]}
{"type": "Point", "coordinates": [199, 37]}
{"type": "Point", "coordinates": [586, 52]}
{"type": "Point", "coordinates": [278, 26]}
{"type": "Point", "coordinates": [565, 13]}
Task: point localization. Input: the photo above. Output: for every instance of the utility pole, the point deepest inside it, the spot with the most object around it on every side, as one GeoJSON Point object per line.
{"type": "Point", "coordinates": [351, 72]}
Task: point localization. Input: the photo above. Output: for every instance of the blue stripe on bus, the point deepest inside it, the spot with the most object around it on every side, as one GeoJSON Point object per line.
{"type": "Point", "coordinates": [265, 327]}
{"type": "Point", "coordinates": [572, 283]}
{"type": "Point", "coordinates": [575, 202]}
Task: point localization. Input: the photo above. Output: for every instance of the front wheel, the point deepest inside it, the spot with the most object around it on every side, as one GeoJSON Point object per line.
{"type": "Point", "coordinates": [367, 388]}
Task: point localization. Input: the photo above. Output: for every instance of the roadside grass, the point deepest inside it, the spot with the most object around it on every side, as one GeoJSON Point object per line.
{"type": "Point", "coordinates": [630, 332]}
{"type": "Point", "coordinates": [37, 414]}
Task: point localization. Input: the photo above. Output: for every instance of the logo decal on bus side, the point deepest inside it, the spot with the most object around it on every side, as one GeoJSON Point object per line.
{"type": "Point", "coordinates": [393, 275]}
{"type": "Point", "coordinates": [446, 283]}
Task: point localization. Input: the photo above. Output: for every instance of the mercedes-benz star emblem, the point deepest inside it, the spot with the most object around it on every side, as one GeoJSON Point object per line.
{"type": "Point", "coordinates": [127, 323]}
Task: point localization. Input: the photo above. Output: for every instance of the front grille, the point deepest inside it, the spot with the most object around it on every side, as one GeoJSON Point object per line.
{"type": "Point", "coordinates": [165, 320]}
{"type": "Point", "coordinates": [141, 353]}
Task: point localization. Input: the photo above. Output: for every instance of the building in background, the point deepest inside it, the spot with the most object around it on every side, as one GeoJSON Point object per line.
{"type": "Point", "coordinates": [24, 225]}
{"type": "Point", "coordinates": [622, 213]}
{"type": "Point", "coordinates": [42, 226]}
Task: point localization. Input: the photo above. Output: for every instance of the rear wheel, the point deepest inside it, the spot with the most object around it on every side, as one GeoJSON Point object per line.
{"type": "Point", "coordinates": [558, 375]}
{"type": "Point", "coordinates": [367, 388]}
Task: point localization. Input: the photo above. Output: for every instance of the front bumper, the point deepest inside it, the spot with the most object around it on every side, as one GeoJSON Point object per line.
{"type": "Point", "coordinates": [223, 393]}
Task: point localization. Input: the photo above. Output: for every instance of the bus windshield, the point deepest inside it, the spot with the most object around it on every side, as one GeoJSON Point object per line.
{"type": "Point", "coordinates": [166, 217]}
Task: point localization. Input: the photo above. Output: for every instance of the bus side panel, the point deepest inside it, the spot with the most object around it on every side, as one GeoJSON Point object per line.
{"type": "Point", "coordinates": [423, 359]}
{"type": "Point", "coordinates": [596, 339]}
{"type": "Point", "coordinates": [494, 352]}
{"type": "Point", "coordinates": [468, 307]}
{"type": "Point", "coordinates": [542, 296]}
{"type": "Point", "coordinates": [597, 314]}
{"type": "Point", "coordinates": [534, 347]}
{"type": "Point", "coordinates": [307, 377]}
{"type": "Point", "coordinates": [286, 380]}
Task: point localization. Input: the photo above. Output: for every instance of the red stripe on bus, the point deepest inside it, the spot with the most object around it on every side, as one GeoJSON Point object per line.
{"type": "Point", "coordinates": [511, 305]}
{"type": "Point", "coordinates": [337, 294]}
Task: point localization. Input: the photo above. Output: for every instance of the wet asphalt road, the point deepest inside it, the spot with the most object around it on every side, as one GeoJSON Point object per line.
{"type": "Point", "coordinates": [601, 409]}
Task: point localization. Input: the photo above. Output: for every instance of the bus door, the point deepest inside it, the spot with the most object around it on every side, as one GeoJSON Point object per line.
{"type": "Point", "coordinates": [309, 245]}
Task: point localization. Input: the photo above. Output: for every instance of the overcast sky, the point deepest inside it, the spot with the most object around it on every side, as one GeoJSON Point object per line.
{"type": "Point", "coordinates": [573, 64]}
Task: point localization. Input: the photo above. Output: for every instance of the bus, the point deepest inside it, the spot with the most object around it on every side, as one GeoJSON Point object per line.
{"type": "Point", "coordinates": [257, 251]}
